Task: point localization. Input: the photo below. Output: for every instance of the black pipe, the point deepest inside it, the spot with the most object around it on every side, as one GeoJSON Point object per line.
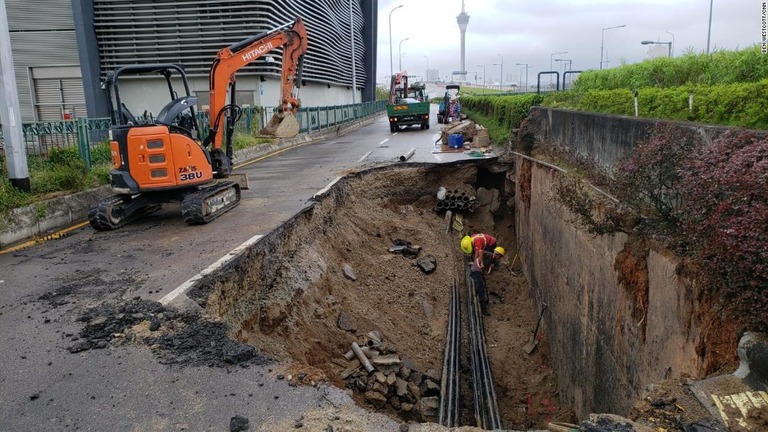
{"type": "Point", "coordinates": [486, 406]}
{"type": "Point", "coordinates": [538, 80]}
{"type": "Point", "coordinates": [449, 389]}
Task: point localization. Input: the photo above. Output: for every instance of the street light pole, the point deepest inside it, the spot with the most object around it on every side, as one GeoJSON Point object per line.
{"type": "Point", "coordinates": [526, 73]}
{"type": "Point", "coordinates": [564, 68]}
{"type": "Point", "coordinates": [483, 66]}
{"type": "Point", "coordinates": [426, 75]}
{"type": "Point", "coordinates": [671, 47]}
{"type": "Point", "coordinates": [400, 55]}
{"type": "Point", "coordinates": [391, 71]}
{"type": "Point", "coordinates": [501, 79]}
{"type": "Point", "coordinates": [602, 41]}
{"type": "Point", "coordinates": [709, 31]}
{"type": "Point", "coordinates": [550, 63]}
{"type": "Point", "coordinates": [352, 37]}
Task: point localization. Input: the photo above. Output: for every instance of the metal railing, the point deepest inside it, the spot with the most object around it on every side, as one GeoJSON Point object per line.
{"type": "Point", "coordinates": [40, 138]}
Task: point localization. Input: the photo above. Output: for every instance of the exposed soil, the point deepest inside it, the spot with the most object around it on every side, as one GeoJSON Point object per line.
{"type": "Point", "coordinates": [311, 309]}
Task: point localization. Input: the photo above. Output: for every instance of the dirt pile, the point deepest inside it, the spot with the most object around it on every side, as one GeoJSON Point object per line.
{"type": "Point", "coordinates": [176, 338]}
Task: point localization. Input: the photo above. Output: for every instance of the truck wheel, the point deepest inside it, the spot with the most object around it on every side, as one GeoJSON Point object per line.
{"type": "Point", "coordinates": [439, 118]}
{"type": "Point", "coordinates": [426, 125]}
{"type": "Point", "coordinates": [393, 128]}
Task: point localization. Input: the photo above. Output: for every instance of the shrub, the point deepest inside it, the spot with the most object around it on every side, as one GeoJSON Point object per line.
{"type": "Point", "coordinates": [717, 68]}
{"type": "Point", "coordinates": [741, 104]}
{"type": "Point", "coordinates": [725, 218]}
{"type": "Point", "coordinates": [101, 153]}
{"type": "Point", "coordinates": [647, 179]}
{"type": "Point", "coordinates": [10, 197]}
{"type": "Point", "coordinates": [62, 170]}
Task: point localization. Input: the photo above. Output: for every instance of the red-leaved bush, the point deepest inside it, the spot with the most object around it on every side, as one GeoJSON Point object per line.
{"type": "Point", "coordinates": [647, 179]}
{"type": "Point", "coordinates": [724, 218]}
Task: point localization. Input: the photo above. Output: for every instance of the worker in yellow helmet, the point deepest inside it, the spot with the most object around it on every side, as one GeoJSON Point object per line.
{"type": "Point", "coordinates": [477, 243]}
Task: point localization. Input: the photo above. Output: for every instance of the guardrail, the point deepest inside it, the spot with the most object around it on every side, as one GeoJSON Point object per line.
{"type": "Point", "coordinates": [40, 138]}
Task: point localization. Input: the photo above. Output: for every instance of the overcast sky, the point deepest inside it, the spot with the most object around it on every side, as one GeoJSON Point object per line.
{"type": "Point", "coordinates": [529, 31]}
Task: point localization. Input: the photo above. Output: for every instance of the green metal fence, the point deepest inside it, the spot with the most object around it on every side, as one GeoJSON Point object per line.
{"type": "Point", "coordinates": [40, 138]}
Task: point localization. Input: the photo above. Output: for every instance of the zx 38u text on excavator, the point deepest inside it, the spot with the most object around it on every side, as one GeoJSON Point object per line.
{"type": "Point", "coordinates": [162, 159]}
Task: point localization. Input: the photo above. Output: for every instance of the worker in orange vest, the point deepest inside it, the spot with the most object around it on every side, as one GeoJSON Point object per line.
{"type": "Point", "coordinates": [475, 244]}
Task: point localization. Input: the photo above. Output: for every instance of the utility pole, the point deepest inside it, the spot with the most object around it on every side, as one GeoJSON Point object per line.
{"type": "Point", "coordinates": [352, 37]}
{"type": "Point", "coordinates": [10, 116]}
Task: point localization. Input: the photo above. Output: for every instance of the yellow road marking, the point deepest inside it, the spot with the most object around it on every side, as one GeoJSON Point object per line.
{"type": "Point", "coordinates": [43, 239]}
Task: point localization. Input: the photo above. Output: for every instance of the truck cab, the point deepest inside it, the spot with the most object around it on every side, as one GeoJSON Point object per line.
{"type": "Point", "coordinates": [408, 104]}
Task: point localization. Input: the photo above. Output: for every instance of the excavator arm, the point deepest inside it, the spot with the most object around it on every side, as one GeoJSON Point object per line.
{"type": "Point", "coordinates": [291, 37]}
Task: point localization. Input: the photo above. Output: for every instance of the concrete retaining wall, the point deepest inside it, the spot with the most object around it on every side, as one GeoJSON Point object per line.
{"type": "Point", "coordinates": [603, 351]}
{"type": "Point", "coordinates": [605, 136]}
{"type": "Point", "coordinates": [608, 340]}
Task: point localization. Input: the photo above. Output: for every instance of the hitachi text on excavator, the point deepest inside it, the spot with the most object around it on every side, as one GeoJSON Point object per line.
{"type": "Point", "coordinates": [163, 159]}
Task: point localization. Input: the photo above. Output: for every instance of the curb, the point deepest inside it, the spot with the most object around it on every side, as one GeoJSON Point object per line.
{"type": "Point", "coordinates": [42, 219]}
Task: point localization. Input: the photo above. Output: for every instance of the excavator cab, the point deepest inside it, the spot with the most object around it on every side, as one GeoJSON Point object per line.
{"type": "Point", "coordinates": [155, 152]}
{"type": "Point", "coordinates": [159, 158]}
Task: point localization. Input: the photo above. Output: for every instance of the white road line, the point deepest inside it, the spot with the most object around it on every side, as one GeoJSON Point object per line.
{"type": "Point", "coordinates": [383, 141]}
{"type": "Point", "coordinates": [327, 188]}
{"type": "Point", "coordinates": [181, 289]}
{"type": "Point", "coordinates": [362, 158]}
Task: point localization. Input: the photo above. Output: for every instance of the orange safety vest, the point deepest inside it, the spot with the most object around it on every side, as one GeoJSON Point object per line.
{"type": "Point", "coordinates": [481, 241]}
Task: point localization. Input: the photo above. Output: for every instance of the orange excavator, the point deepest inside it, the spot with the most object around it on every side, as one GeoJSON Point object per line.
{"type": "Point", "coordinates": [163, 159]}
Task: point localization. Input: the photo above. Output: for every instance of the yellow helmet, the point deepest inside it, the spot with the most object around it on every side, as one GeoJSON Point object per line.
{"type": "Point", "coordinates": [466, 244]}
{"type": "Point", "coordinates": [499, 250]}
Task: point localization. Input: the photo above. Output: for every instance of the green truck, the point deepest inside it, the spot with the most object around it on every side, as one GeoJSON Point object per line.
{"type": "Point", "coordinates": [408, 104]}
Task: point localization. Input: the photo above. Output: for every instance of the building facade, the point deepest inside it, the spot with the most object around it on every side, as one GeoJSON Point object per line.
{"type": "Point", "coordinates": [62, 59]}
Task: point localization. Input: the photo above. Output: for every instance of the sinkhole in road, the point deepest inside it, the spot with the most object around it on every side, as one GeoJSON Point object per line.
{"type": "Point", "coordinates": [327, 278]}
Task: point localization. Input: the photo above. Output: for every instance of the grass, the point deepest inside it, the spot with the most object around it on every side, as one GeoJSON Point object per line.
{"type": "Point", "coordinates": [243, 140]}
{"type": "Point", "coordinates": [498, 134]}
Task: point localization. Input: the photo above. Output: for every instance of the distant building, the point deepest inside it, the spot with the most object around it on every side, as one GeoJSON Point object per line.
{"type": "Point", "coordinates": [63, 49]}
{"type": "Point", "coordinates": [433, 74]}
{"type": "Point", "coordinates": [658, 50]}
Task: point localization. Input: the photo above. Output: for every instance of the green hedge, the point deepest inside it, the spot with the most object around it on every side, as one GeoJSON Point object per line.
{"type": "Point", "coordinates": [720, 67]}
{"type": "Point", "coordinates": [508, 111]}
{"type": "Point", "coordinates": [742, 104]}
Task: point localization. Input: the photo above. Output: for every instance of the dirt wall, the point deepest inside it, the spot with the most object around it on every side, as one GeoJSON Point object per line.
{"type": "Point", "coordinates": [620, 316]}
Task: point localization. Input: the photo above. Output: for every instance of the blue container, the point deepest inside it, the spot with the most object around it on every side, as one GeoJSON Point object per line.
{"type": "Point", "coordinates": [456, 141]}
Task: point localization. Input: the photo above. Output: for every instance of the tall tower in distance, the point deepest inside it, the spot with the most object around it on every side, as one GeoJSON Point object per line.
{"type": "Point", "coordinates": [462, 20]}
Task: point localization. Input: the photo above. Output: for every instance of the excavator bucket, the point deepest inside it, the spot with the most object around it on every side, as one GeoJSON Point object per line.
{"type": "Point", "coordinates": [282, 126]}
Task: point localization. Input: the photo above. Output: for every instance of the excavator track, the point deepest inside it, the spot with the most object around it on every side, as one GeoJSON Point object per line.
{"type": "Point", "coordinates": [206, 204]}
{"type": "Point", "coordinates": [116, 211]}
